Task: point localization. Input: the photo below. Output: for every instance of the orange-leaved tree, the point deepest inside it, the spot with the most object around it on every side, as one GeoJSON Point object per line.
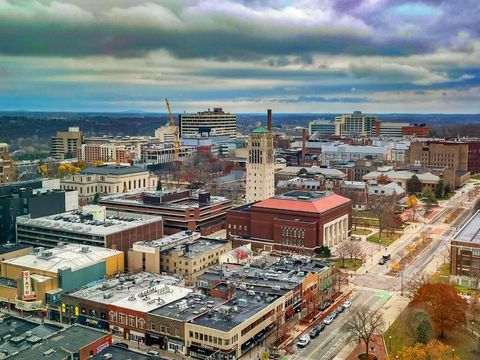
{"type": "Point", "coordinates": [434, 350]}
{"type": "Point", "coordinates": [446, 308]}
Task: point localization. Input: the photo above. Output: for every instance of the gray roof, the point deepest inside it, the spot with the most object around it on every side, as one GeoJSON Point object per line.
{"type": "Point", "coordinates": [470, 232]}
{"type": "Point", "coordinates": [62, 343]}
{"type": "Point", "coordinates": [113, 170]}
{"type": "Point", "coordinates": [119, 353]}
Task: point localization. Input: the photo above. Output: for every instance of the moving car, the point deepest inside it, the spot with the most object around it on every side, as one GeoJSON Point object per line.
{"type": "Point", "coordinates": [382, 261]}
{"type": "Point", "coordinates": [329, 319]}
{"type": "Point", "coordinates": [347, 304]}
{"type": "Point", "coordinates": [303, 341]}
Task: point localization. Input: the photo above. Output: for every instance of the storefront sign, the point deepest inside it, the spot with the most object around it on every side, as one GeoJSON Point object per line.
{"type": "Point", "coordinates": [29, 305]}
{"type": "Point", "coordinates": [27, 292]}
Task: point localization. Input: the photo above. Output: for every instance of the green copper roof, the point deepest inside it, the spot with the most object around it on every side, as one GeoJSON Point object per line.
{"type": "Point", "coordinates": [260, 129]}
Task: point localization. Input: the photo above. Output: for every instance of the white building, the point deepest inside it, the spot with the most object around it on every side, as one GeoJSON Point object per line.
{"type": "Point", "coordinates": [338, 151]}
{"type": "Point", "coordinates": [164, 134]}
{"type": "Point", "coordinates": [260, 166]}
{"type": "Point", "coordinates": [321, 128]}
{"type": "Point", "coordinates": [214, 123]}
{"type": "Point", "coordinates": [391, 129]}
{"type": "Point", "coordinates": [356, 124]}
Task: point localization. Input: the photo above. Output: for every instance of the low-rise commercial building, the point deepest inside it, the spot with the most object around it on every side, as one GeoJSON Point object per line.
{"type": "Point", "coordinates": [89, 305]}
{"type": "Point", "coordinates": [297, 221]}
{"type": "Point", "coordinates": [184, 253]}
{"type": "Point", "coordinates": [92, 226]}
{"type": "Point", "coordinates": [402, 176]}
{"type": "Point", "coordinates": [109, 179]}
{"type": "Point", "coordinates": [42, 276]}
{"type": "Point", "coordinates": [180, 209]}
{"type": "Point", "coordinates": [75, 342]}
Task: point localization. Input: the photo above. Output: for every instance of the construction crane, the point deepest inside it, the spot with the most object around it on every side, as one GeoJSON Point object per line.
{"type": "Point", "coordinates": [176, 140]}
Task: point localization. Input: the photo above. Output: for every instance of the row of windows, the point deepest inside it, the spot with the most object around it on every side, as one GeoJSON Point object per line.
{"type": "Point", "coordinates": [128, 320]}
{"type": "Point", "coordinates": [212, 339]}
{"type": "Point", "coordinates": [296, 233]}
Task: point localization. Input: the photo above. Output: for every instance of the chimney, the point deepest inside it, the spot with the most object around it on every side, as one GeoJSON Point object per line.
{"type": "Point", "coordinates": [269, 119]}
{"type": "Point", "coordinates": [304, 143]}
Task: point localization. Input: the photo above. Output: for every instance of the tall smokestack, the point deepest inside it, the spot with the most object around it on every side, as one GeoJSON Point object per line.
{"type": "Point", "coordinates": [304, 143]}
{"type": "Point", "coordinates": [269, 119]}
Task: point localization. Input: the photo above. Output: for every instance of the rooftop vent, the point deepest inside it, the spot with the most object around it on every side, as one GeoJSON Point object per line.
{"type": "Point", "coordinates": [38, 250]}
{"type": "Point", "coordinates": [49, 353]}
{"type": "Point", "coordinates": [45, 254]}
{"type": "Point", "coordinates": [85, 249]}
{"type": "Point", "coordinates": [242, 302]}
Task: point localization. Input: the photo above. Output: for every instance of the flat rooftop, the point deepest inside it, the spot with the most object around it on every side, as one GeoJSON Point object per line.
{"type": "Point", "coordinates": [9, 247]}
{"type": "Point", "coordinates": [192, 306]}
{"type": "Point", "coordinates": [236, 311]}
{"type": "Point", "coordinates": [153, 297]}
{"type": "Point", "coordinates": [71, 222]}
{"type": "Point", "coordinates": [21, 333]}
{"type": "Point", "coordinates": [167, 241]}
{"type": "Point", "coordinates": [135, 198]}
{"type": "Point", "coordinates": [198, 247]}
{"type": "Point", "coordinates": [119, 353]}
{"type": "Point", "coordinates": [113, 170]}
{"type": "Point", "coordinates": [74, 256]}
{"type": "Point", "coordinates": [62, 344]}
{"type": "Point", "coordinates": [116, 289]}
{"type": "Point", "coordinates": [470, 232]}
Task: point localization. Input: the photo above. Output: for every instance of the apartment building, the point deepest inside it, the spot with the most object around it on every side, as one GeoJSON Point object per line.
{"type": "Point", "coordinates": [109, 179]}
{"type": "Point", "coordinates": [213, 123]}
{"type": "Point", "coordinates": [356, 124]}
{"type": "Point", "coordinates": [108, 152]}
{"type": "Point", "coordinates": [65, 143]}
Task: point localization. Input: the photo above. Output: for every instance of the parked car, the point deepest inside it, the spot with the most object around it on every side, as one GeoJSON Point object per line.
{"type": "Point", "coordinates": [347, 304]}
{"type": "Point", "coordinates": [334, 313]}
{"type": "Point", "coordinates": [303, 341]}
{"type": "Point", "coordinates": [152, 353]}
{"type": "Point", "coordinates": [313, 333]}
{"type": "Point", "coordinates": [382, 261]}
{"type": "Point", "coordinates": [320, 327]}
{"type": "Point", "coordinates": [122, 345]}
{"type": "Point", "coordinates": [340, 309]}
{"type": "Point", "coordinates": [329, 319]}
{"type": "Point", "coordinates": [325, 305]}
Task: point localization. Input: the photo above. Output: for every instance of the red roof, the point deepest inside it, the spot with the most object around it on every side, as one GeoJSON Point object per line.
{"type": "Point", "coordinates": [315, 206]}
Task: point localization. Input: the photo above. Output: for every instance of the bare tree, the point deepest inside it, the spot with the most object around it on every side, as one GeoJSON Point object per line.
{"type": "Point", "coordinates": [342, 251]}
{"type": "Point", "coordinates": [354, 250]}
{"type": "Point", "coordinates": [362, 323]}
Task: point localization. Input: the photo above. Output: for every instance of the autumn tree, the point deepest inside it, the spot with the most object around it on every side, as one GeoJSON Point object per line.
{"type": "Point", "coordinates": [414, 185]}
{"type": "Point", "coordinates": [447, 309]}
{"type": "Point", "coordinates": [434, 350]}
{"type": "Point", "coordinates": [474, 306]}
{"type": "Point", "coordinates": [362, 323]}
{"type": "Point", "coordinates": [383, 179]}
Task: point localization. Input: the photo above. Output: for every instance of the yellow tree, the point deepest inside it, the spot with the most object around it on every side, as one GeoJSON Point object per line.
{"type": "Point", "coordinates": [434, 350]}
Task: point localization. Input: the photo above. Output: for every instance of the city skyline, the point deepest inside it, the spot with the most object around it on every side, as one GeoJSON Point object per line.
{"type": "Point", "coordinates": [245, 56]}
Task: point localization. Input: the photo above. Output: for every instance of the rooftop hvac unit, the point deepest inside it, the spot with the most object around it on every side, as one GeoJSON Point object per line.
{"type": "Point", "coordinates": [131, 298]}
{"type": "Point", "coordinates": [85, 249]}
{"type": "Point", "coordinates": [45, 254]}
{"type": "Point", "coordinates": [38, 250]}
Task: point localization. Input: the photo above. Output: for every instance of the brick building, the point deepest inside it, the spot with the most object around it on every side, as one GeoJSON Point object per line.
{"type": "Point", "coordinates": [453, 155]}
{"type": "Point", "coordinates": [297, 221]}
{"type": "Point", "coordinates": [418, 130]}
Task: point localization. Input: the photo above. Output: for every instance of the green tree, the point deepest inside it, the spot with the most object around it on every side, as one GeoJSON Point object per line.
{"type": "Point", "coordinates": [159, 185]}
{"type": "Point", "coordinates": [423, 327]}
{"type": "Point", "coordinates": [323, 251]}
{"type": "Point", "coordinates": [96, 197]}
{"type": "Point", "coordinates": [414, 185]}
{"type": "Point", "coordinates": [429, 199]}
{"type": "Point", "coordinates": [440, 189]}
{"type": "Point", "coordinates": [302, 171]}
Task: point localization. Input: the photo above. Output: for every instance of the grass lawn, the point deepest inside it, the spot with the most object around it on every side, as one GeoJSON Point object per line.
{"type": "Point", "coordinates": [360, 232]}
{"type": "Point", "coordinates": [462, 341]}
{"type": "Point", "coordinates": [443, 275]}
{"type": "Point", "coordinates": [349, 264]}
{"type": "Point", "coordinates": [385, 239]}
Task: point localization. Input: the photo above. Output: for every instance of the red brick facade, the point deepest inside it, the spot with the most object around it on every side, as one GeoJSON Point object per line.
{"type": "Point", "coordinates": [124, 240]}
{"type": "Point", "coordinates": [283, 229]}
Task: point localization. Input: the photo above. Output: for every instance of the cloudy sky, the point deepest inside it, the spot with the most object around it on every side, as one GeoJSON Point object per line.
{"type": "Point", "coordinates": [292, 56]}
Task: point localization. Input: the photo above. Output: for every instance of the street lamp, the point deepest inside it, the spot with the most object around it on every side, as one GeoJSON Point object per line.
{"type": "Point", "coordinates": [390, 338]}
{"type": "Point", "coordinates": [453, 353]}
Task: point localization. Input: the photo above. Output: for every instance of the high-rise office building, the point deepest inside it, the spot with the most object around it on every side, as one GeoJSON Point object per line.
{"type": "Point", "coordinates": [65, 143]}
{"type": "Point", "coordinates": [260, 166]}
{"type": "Point", "coordinates": [213, 123]}
{"type": "Point", "coordinates": [356, 124]}
{"type": "Point", "coordinates": [321, 128]}
{"type": "Point", "coordinates": [6, 170]}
